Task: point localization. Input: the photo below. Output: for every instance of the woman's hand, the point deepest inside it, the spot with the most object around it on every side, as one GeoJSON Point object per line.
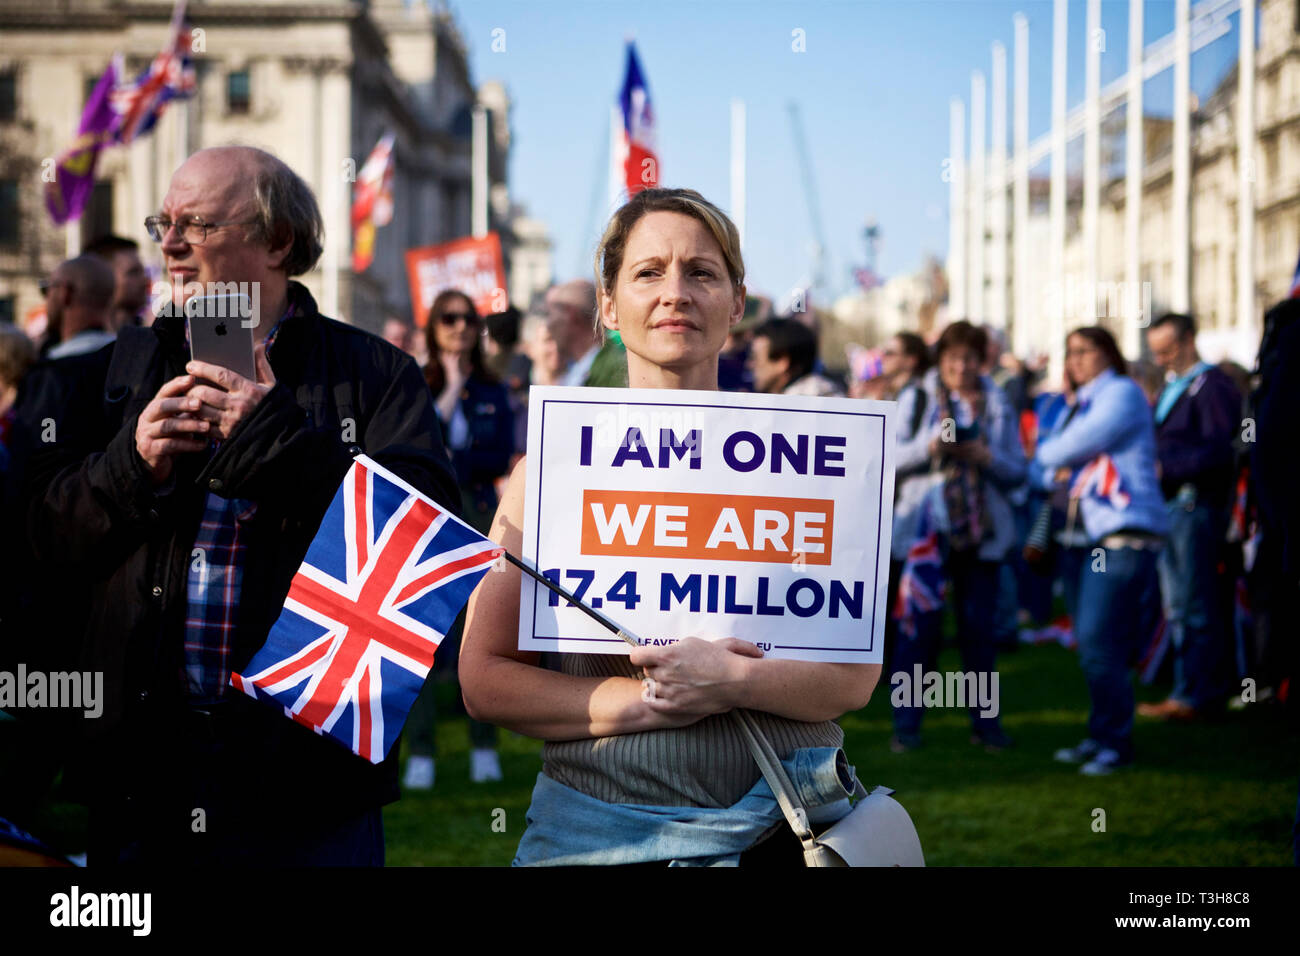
{"type": "Point", "coordinates": [694, 677]}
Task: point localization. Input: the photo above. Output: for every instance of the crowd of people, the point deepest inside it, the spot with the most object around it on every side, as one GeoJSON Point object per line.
{"type": "Point", "coordinates": [123, 459]}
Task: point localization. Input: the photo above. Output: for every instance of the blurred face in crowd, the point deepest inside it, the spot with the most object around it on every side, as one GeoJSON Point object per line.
{"type": "Point", "coordinates": [544, 352]}
{"type": "Point", "coordinates": [396, 333]}
{"type": "Point", "coordinates": [1083, 360]}
{"type": "Point", "coordinates": [959, 368]}
{"type": "Point", "coordinates": [895, 363]}
{"type": "Point", "coordinates": [132, 281]}
{"type": "Point", "coordinates": [455, 328]}
{"type": "Point", "coordinates": [1169, 351]}
{"type": "Point", "coordinates": [572, 325]}
{"type": "Point", "coordinates": [216, 186]}
{"type": "Point", "coordinates": [770, 375]}
{"type": "Point", "coordinates": [673, 301]}
{"type": "Point", "coordinates": [58, 293]}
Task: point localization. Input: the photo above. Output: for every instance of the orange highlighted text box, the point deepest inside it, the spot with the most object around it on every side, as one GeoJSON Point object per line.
{"type": "Point", "coordinates": [668, 524]}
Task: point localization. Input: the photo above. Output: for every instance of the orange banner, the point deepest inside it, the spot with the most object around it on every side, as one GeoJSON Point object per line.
{"type": "Point", "coordinates": [472, 266]}
{"type": "Point", "coordinates": [666, 524]}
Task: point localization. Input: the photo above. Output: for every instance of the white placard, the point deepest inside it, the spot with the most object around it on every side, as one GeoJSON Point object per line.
{"type": "Point", "coordinates": [709, 514]}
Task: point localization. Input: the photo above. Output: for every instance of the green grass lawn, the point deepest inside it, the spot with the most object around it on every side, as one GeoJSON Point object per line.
{"type": "Point", "coordinates": [1219, 794]}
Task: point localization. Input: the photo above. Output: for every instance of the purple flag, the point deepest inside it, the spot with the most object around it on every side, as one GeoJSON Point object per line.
{"type": "Point", "coordinates": [74, 174]}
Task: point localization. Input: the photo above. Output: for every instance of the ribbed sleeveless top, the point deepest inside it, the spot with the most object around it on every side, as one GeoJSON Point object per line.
{"type": "Point", "coordinates": [706, 764]}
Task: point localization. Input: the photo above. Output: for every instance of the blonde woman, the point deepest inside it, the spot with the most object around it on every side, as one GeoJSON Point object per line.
{"type": "Point", "coordinates": [633, 778]}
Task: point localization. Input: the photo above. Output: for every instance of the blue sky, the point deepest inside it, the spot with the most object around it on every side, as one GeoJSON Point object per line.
{"type": "Point", "coordinates": [872, 86]}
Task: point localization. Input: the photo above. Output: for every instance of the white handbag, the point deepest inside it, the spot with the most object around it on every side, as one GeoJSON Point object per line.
{"type": "Point", "coordinates": [876, 832]}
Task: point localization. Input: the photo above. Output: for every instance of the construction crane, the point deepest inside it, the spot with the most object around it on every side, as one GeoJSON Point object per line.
{"type": "Point", "coordinates": [817, 280]}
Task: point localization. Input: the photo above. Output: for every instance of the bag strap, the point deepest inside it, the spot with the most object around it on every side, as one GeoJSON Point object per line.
{"type": "Point", "coordinates": [782, 787]}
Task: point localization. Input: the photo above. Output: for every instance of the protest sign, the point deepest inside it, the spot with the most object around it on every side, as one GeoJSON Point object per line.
{"type": "Point", "coordinates": [709, 514]}
{"type": "Point", "coordinates": [472, 266]}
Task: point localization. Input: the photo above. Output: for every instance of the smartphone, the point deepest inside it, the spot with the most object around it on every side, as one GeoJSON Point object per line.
{"type": "Point", "coordinates": [969, 432]}
{"type": "Point", "coordinates": [221, 332]}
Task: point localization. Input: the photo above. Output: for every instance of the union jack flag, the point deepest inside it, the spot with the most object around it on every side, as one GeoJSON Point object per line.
{"type": "Point", "coordinates": [921, 583]}
{"type": "Point", "coordinates": [170, 76]}
{"type": "Point", "coordinates": [381, 584]}
{"type": "Point", "coordinates": [1100, 479]}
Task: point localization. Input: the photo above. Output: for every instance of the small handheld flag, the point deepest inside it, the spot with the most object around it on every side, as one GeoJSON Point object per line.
{"type": "Point", "coordinates": [382, 583]}
{"type": "Point", "coordinates": [865, 364]}
{"type": "Point", "coordinates": [921, 583]}
{"type": "Point", "coordinates": [372, 202]}
{"type": "Point", "coordinates": [1100, 479]}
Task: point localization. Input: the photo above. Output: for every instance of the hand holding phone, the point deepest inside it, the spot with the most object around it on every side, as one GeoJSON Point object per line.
{"type": "Point", "coordinates": [229, 398]}
{"type": "Point", "coordinates": [221, 332]}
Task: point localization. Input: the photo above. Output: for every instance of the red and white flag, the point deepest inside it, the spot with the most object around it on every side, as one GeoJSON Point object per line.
{"type": "Point", "coordinates": [1100, 479]}
{"type": "Point", "coordinates": [640, 161]}
{"type": "Point", "coordinates": [372, 202]}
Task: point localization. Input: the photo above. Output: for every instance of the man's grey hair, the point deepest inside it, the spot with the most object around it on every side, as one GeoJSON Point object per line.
{"type": "Point", "coordinates": [285, 206]}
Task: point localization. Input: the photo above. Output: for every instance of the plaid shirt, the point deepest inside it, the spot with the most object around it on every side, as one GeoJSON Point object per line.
{"type": "Point", "coordinates": [216, 572]}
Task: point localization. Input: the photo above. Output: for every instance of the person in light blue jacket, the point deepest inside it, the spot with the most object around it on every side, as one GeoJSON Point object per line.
{"type": "Point", "coordinates": [961, 462]}
{"type": "Point", "coordinates": [1103, 455]}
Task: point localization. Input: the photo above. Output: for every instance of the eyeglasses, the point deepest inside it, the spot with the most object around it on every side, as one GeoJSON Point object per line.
{"type": "Point", "coordinates": [45, 285]}
{"type": "Point", "coordinates": [449, 319]}
{"type": "Point", "coordinates": [192, 230]}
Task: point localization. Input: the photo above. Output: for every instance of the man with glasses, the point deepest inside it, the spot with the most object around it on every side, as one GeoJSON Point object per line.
{"type": "Point", "coordinates": [191, 517]}
{"type": "Point", "coordinates": [1197, 416]}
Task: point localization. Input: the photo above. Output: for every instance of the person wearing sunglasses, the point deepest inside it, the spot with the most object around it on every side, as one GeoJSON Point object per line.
{"type": "Point", "coordinates": [477, 422]}
{"type": "Point", "coordinates": [78, 308]}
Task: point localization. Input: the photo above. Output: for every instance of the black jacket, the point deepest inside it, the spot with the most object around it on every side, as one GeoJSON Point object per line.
{"type": "Point", "coordinates": [339, 391]}
{"type": "Point", "coordinates": [1194, 442]}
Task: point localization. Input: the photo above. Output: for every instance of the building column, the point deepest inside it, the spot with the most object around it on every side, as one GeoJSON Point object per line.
{"type": "Point", "coordinates": [1134, 161]}
{"type": "Point", "coordinates": [1246, 319]}
{"type": "Point", "coordinates": [1180, 296]}
{"type": "Point", "coordinates": [1092, 154]}
{"type": "Point", "coordinates": [956, 209]}
{"type": "Point", "coordinates": [335, 124]}
{"type": "Point", "coordinates": [1024, 312]}
{"type": "Point", "coordinates": [998, 184]}
{"type": "Point", "coordinates": [1056, 209]}
{"type": "Point", "coordinates": [978, 193]}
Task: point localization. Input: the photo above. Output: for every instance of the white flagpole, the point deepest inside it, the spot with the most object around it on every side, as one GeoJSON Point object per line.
{"type": "Point", "coordinates": [479, 174]}
{"type": "Point", "coordinates": [1246, 318]}
{"type": "Point", "coordinates": [616, 184]}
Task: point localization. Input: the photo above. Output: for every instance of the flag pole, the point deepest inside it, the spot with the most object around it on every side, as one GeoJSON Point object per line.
{"type": "Point", "coordinates": [598, 618]}
{"type": "Point", "coordinates": [615, 157]}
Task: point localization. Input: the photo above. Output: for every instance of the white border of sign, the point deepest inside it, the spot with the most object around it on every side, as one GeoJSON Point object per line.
{"type": "Point", "coordinates": [869, 428]}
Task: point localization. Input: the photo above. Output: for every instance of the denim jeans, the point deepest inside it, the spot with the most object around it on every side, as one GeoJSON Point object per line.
{"type": "Point", "coordinates": [566, 827]}
{"type": "Point", "coordinates": [1112, 594]}
{"type": "Point", "coordinates": [1194, 606]}
{"type": "Point", "coordinates": [974, 587]}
